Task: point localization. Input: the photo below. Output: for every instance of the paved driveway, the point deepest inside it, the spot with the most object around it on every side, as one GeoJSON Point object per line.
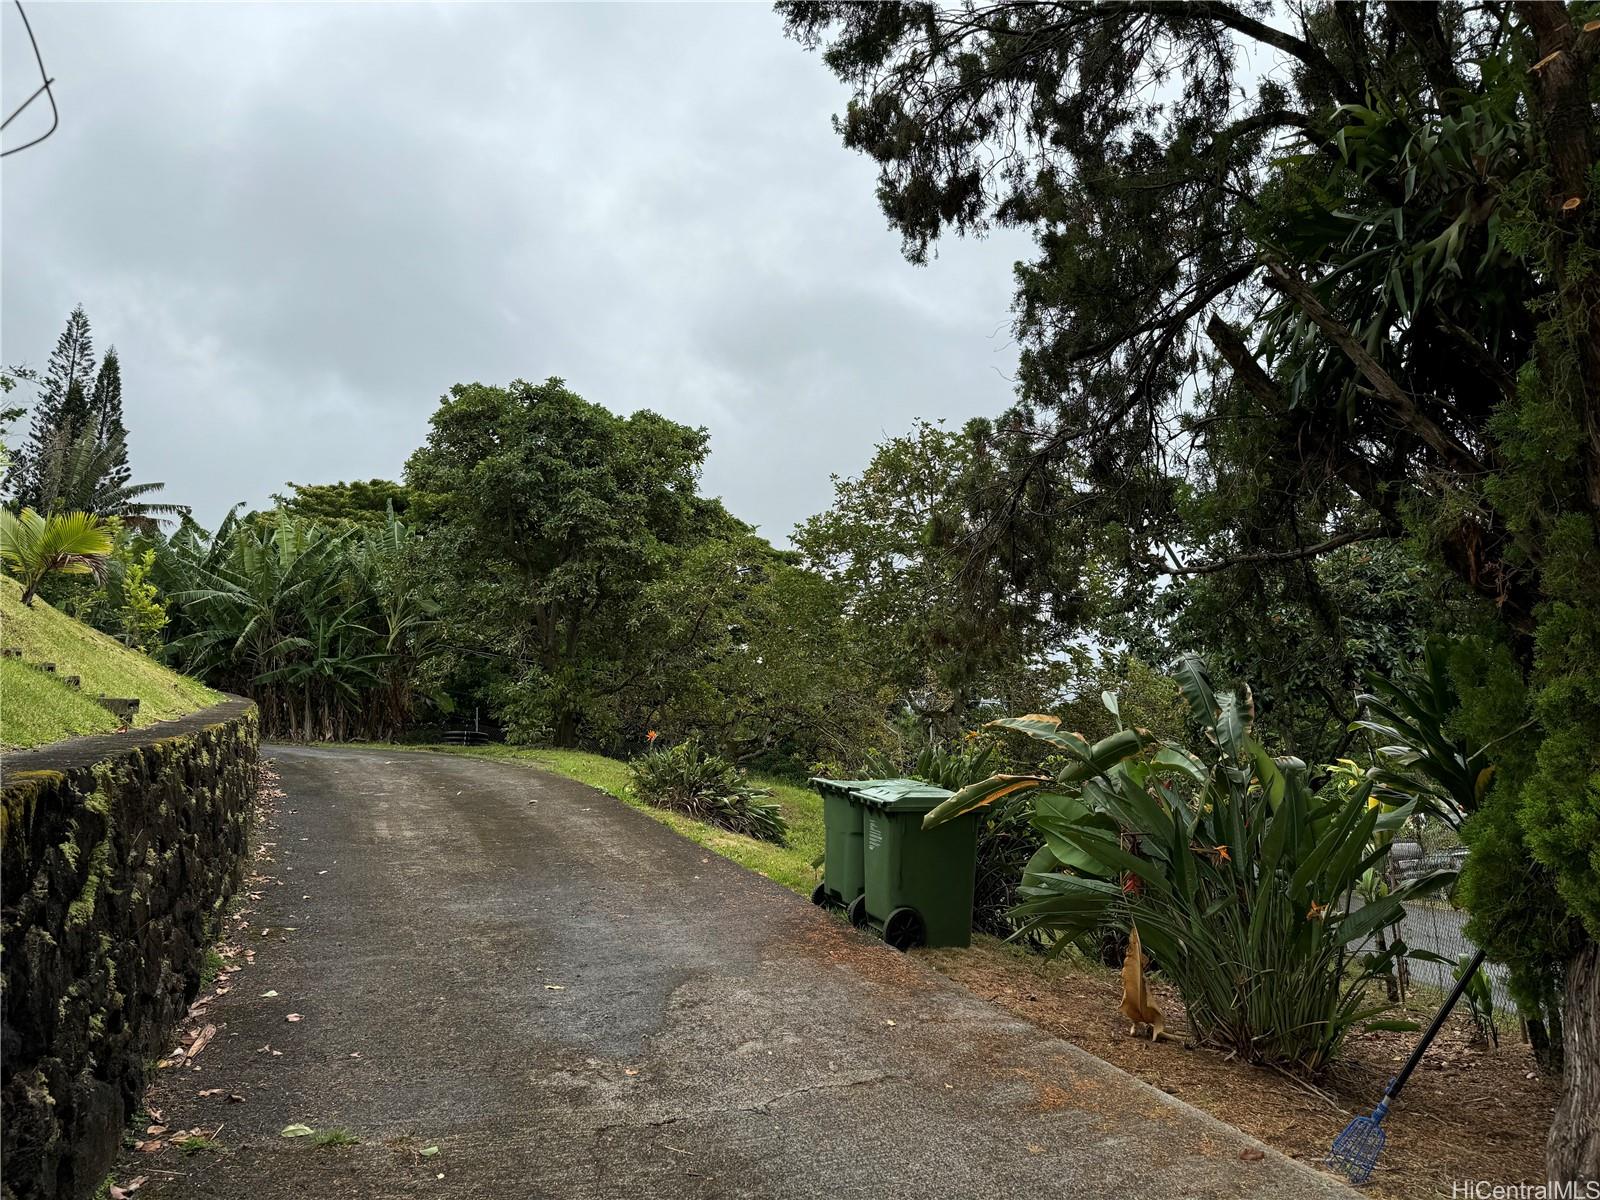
{"type": "Point", "coordinates": [569, 1000]}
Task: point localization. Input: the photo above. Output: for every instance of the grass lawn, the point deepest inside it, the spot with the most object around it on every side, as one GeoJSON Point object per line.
{"type": "Point", "coordinates": [789, 864]}
{"type": "Point", "coordinates": [36, 708]}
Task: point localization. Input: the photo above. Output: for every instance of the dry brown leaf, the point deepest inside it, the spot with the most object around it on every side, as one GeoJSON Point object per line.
{"type": "Point", "coordinates": [209, 1092]}
{"type": "Point", "coordinates": [155, 1130]}
{"type": "Point", "coordinates": [202, 1041]}
{"type": "Point", "coordinates": [1251, 1154]}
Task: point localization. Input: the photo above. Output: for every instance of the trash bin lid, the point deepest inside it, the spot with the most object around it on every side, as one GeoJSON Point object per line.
{"type": "Point", "coordinates": [903, 795]}
{"type": "Point", "coordinates": [841, 787]}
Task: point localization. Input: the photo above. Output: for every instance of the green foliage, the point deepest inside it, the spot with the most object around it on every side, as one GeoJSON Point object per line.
{"type": "Point", "coordinates": [1306, 639]}
{"type": "Point", "coordinates": [362, 502]}
{"type": "Point", "coordinates": [33, 546]}
{"type": "Point", "coordinates": [743, 650]}
{"type": "Point", "coordinates": [326, 629]}
{"type": "Point", "coordinates": [945, 623]}
{"type": "Point", "coordinates": [1479, 997]}
{"type": "Point", "coordinates": [125, 603]}
{"type": "Point", "coordinates": [1234, 873]}
{"type": "Point", "coordinates": [1456, 738]}
{"type": "Point", "coordinates": [949, 767]}
{"type": "Point", "coordinates": [141, 613]}
{"type": "Point", "coordinates": [709, 788]}
{"type": "Point", "coordinates": [550, 515]}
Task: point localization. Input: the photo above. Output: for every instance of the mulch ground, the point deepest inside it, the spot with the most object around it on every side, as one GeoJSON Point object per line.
{"type": "Point", "coordinates": [1471, 1111]}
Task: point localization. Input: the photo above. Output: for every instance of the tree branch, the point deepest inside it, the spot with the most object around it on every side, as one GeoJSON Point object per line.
{"type": "Point", "coordinates": [1232, 18]}
{"type": "Point", "coordinates": [1399, 401]}
{"type": "Point", "coordinates": [1420, 23]}
{"type": "Point", "coordinates": [1365, 534]}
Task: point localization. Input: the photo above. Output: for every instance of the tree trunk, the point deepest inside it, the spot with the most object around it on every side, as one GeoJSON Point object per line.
{"type": "Point", "coordinates": [1573, 1150]}
{"type": "Point", "coordinates": [566, 731]}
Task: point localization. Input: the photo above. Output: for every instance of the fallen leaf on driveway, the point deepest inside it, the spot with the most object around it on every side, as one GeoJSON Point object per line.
{"type": "Point", "coordinates": [1251, 1154]}
{"type": "Point", "coordinates": [267, 995]}
{"type": "Point", "coordinates": [296, 1131]}
{"type": "Point", "coordinates": [209, 1092]}
{"type": "Point", "coordinates": [555, 987]}
{"type": "Point", "coordinates": [293, 1017]}
{"type": "Point", "coordinates": [120, 1191]}
{"type": "Point", "coordinates": [429, 1151]}
{"type": "Point", "coordinates": [235, 1098]}
{"type": "Point", "coordinates": [200, 1043]}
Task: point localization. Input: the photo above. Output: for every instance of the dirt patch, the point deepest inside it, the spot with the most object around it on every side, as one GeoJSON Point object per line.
{"type": "Point", "coordinates": [1471, 1111]}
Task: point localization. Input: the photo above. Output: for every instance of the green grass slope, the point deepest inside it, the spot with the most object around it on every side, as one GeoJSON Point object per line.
{"type": "Point", "coordinates": [789, 864]}
{"type": "Point", "coordinates": [36, 708]}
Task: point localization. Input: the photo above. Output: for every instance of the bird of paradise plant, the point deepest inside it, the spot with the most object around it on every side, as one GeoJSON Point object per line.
{"type": "Point", "coordinates": [1237, 875]}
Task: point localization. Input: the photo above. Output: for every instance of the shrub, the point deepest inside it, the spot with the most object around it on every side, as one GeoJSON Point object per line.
{"type": "Point", "coordinates": [707, 787]}
{"type": "Point", "coordinates": [1236, 875]}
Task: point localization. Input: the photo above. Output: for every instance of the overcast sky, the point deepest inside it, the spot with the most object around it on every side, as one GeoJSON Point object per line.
{"type": "Point", "coordinates": [300, 224]}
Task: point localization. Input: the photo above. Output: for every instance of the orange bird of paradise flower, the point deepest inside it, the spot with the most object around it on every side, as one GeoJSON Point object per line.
{"type": "Point", "coordinates": [651, 737]}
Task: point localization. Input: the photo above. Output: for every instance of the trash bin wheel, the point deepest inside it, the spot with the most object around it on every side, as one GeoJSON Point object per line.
{"type": "Point", "coordinates": [820, 896]}
{"type": "Point", "coordinates": [857, 911]}
{"type": "Point", "coordinates": [904, 929]}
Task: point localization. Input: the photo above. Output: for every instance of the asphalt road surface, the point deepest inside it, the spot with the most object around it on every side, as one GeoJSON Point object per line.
{"type": "Point", "coordinates": [569, 1000]}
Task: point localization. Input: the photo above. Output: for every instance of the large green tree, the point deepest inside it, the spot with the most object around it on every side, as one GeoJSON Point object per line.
{"type": "Point", "coordinates": [361, 501]}
{"type": "Point", "coordinates": [1303, 279]}
{"type": "Point", "coordinates": [953, 615]}
{"type": "Point", "coordinates": [744, 650]}
{"type": "Point", "coordinates": [548, 515]}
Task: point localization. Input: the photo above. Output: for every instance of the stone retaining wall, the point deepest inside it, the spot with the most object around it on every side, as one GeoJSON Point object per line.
{"type": "Point", "coordinates": [118, 853]}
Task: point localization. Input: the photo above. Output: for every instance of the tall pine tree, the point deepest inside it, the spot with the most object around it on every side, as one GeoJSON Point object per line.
{"type": "Point", "coordinates": [110, 433]}
{"type": "Point", "coordinates": [62, 412]}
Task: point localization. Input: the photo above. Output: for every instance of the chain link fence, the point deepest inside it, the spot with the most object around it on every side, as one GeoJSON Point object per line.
{"type": "Point", "coordinates": [1433, 924]}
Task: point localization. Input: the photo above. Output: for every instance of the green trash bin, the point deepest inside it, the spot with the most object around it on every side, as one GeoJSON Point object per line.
{"type": "Point", "coordinates": [918, 882]}
{"type": "Point", "coordinates": [842, 882]}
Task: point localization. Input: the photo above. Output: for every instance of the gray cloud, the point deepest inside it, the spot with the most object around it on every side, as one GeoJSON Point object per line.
{"type": "Point", "coordinates": [300, 224]}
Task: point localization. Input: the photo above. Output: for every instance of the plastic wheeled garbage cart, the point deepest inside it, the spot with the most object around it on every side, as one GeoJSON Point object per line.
{"type": "Point", "coordinates": [842, 881]}
{"type": "Point", "coordinates": [918, 881]}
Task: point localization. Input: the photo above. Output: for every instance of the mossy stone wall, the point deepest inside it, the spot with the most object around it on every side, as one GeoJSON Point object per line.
{"type": "Point", "coordinates": [118, 854]}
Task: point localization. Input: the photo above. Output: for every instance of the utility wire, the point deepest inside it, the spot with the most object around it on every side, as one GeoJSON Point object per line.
{"type": "Point", "coordinates": [55, 113]}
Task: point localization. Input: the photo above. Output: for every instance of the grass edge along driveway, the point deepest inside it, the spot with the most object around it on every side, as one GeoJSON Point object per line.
{"type": "Point", "coordinates": [789, 864]}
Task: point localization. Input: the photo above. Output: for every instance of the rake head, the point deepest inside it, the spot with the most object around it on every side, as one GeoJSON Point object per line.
{"type": "Point", "coordinates": [1355, 1151]}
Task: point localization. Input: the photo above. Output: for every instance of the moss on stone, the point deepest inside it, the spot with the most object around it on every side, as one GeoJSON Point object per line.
{"type": "Point", "coordinates": [113, 861]}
